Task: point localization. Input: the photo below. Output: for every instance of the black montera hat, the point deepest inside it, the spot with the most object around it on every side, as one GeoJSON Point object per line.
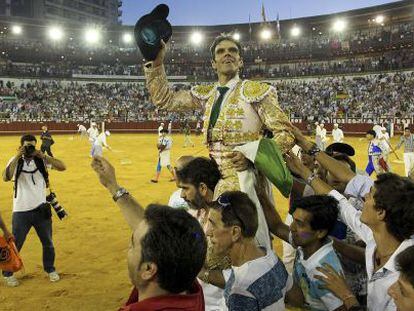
{"type": "Point", "coordinates": [340, 148]}
{"type": "Point", "coordinates": [150, 29]}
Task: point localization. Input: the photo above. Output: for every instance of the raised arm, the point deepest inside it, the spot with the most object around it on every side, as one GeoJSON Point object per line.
{"type": "Point", "coordinates": [130, 208]}
{"type": "Point", "coordinates": [338, 169]}
{"type": "Point", "coordinates": [273, 219]}
{"type": "Point", "coordinates": [161, 94]}
{"type": "Point", "coordinates": [11, 166]}
{"type": "Point", "coordinates": [56, 163]}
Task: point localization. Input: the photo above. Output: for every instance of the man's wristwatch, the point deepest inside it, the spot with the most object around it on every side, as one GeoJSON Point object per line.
{"type": "Point", "coordinates": [314, 150]}
{"type": "Point", "coordinates": [119, 193]}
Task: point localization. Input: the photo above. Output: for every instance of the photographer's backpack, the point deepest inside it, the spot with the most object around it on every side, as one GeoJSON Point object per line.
{"type": "Point", "coordinates": [40, 166]}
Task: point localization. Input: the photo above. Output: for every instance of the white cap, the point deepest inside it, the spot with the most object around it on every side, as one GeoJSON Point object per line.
{"type": "Point", "coordinates": [107, 133]}
{"type": "Point", "coordinates": [93, 123]}
{"type": "Point", "coordinates": [335, 124]}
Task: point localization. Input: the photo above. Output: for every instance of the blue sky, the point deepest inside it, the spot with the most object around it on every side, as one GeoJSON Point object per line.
{"type": "Point", "coordinates": [216, 12]}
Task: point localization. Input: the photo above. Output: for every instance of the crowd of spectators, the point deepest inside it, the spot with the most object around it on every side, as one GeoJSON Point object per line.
{"type": "Point", "coordinates": [334, 97]}
{"type": "Point", "coordinates": [372, 49]}
{"type": "Point", "coordinates": [75, 102]}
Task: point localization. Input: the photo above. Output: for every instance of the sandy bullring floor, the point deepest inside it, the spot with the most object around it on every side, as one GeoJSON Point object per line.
{"type": "Point", "coordinates": [91, 245]}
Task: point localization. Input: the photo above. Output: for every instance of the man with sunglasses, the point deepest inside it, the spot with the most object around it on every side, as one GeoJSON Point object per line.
{"type": "Point", "coordinates": [197, 180]}
{"type": "Point", "coordinates": [258, 279]}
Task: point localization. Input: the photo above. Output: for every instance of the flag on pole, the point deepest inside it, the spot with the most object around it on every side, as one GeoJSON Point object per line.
{"type": "Point", "coordinates": [263, 13]}
{"type": "Point", "coordinates": [250, 30]}
{"type": "Point", "coordinates": [279, 35]}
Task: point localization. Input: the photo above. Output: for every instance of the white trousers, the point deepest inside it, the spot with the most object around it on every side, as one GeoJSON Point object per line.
{"type": "Point", "coordinates": [408, 162]}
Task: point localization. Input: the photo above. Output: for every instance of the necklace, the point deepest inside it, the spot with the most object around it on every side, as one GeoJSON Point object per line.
{"type": "Point", "coordinates": [378, 258]}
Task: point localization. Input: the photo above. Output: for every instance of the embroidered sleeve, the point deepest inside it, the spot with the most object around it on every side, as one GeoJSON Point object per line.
{"type": "Point", "coordinates": [275, 120]}
{"type": "Point", "coordinates": [163, 96]}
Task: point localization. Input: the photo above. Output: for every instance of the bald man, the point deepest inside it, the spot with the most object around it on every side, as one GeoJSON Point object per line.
{"type": "Point", "coordinates": [176, 201]}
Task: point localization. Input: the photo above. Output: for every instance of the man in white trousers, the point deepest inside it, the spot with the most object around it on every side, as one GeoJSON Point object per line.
{"type": "Point", "coordinates": [408, 140]}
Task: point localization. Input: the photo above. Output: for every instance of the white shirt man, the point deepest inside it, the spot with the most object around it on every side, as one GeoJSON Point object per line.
{"type": "Point", "coordinates": [93, 132]}
{"type": "Point", "coordinates": [160, 128]}
{"type": "Point", "coordinates": [337, 134]}
{"type": "Point", "coordinates": [381, 280]}
{"type": "Point", "coordinates": [377, 128]}
{"type": "Point", "coordinates": [82, 130]}
{"type": "Point", "coordinates": [169, 128]}
{"type": "Point", "coordinates": [99, 143]}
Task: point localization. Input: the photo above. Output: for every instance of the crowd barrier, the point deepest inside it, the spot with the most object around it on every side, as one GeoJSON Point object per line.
{"type": "Point", "coordinates": [19, 127]}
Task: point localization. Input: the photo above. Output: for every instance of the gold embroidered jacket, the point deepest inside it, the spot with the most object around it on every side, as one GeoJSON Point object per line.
{"type": "Point", "coordinates": [249, 107]}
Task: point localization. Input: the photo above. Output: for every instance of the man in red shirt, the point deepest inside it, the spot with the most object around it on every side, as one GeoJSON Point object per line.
{"type": "Point", "coordinates": [167, 251]}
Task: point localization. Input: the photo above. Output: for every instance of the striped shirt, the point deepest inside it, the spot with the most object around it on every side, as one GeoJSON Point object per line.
{"type": "Point", "coordinates": [408, 143]}
{"type": "Point", "coordinates": [260, 284]}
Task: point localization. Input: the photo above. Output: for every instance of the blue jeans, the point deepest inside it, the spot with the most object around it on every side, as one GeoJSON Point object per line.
{"type": "Point", "coordinates": [22, 223]}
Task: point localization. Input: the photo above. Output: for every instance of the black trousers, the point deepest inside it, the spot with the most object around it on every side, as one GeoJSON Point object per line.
{"type": "Point", "coordinates": [22, 222]}
{"type": "Point", "coordinates": [46, 149]}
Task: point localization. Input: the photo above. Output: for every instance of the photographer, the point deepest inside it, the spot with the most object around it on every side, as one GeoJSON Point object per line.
{"type": "Point", "coordinates": [30, 208]}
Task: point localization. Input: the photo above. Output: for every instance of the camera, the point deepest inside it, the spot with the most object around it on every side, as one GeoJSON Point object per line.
{"type": "Point", "coordinates": [29, 150]}
{"type": "Point", "coordinates": [60, 211]}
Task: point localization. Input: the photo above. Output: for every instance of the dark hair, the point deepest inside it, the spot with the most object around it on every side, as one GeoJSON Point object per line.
{"type": "Point", "coordinates": [372, 132]}
{"type": "Point", "coordinates": [200, 170]}
{"type": "Point", "coordinates": [324, 210]}
{"type": "Point", "coordinates": [27, 137]}
{"type": "Point", "coordinates": [405, 265]}
{"type": "Point", "coordinates": [237, 209]}
{"type": "Point", "coordinates": [345, 158]}
{"type": "Point", "coordinates": [176, 243]}
{"type": "Point", "coordinates": [164, 131]}
{"type": "Point", "coordinates": [224, 37]}
{"type": "Point", "coordinates": [395, 195]}
{"type": "Point", "coordinates": [407, 129]}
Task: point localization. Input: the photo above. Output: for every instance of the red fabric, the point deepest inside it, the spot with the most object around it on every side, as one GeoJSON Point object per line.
{"type": "Point", "coordinates": [383, 164]}
{"type": "Point", "coordinates": [193, 301]}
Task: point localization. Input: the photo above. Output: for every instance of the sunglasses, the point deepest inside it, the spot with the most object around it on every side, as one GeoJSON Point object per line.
{"type": "Point", "coordinates": [224, 202]}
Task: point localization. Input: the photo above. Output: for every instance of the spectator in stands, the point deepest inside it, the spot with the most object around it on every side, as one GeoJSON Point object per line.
{"type": "Point", "coordinates": [159, 267]}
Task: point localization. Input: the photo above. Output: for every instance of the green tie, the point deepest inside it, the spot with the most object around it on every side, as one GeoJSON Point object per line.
{"type": "Point", "coordinates": [215, 111]}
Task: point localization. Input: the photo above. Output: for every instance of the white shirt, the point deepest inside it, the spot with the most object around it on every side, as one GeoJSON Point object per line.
{"type": "Point", "coordinates": [176, 201]}
{"type": "Point", "coordinates": [377, 128]}
{"type": "Point", "coordinates": [262, 282]}
{"type": "Point", "coordinates": [166, 141]}
{"type": "Point", "coordinates": [323, 134]}
{"type": "Point", "coordinates": [380, 281]}
{"type": "Point", "coordinates": [100, 140]}
{"type": "Point", "coordinates": [304, 272]}
{"type": "Point", "coordinates": [318, 131]}
{"type": "Point", "coordinates": [31, 188]}
{"type": "Point", "coordinates": [81, 128]}
{"type": "Point", "coordinates": [160, 128]}
{"type": "Point", "coordinates": [93, 132]}
{"type": "Point", "coordinates": [338, 135]}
